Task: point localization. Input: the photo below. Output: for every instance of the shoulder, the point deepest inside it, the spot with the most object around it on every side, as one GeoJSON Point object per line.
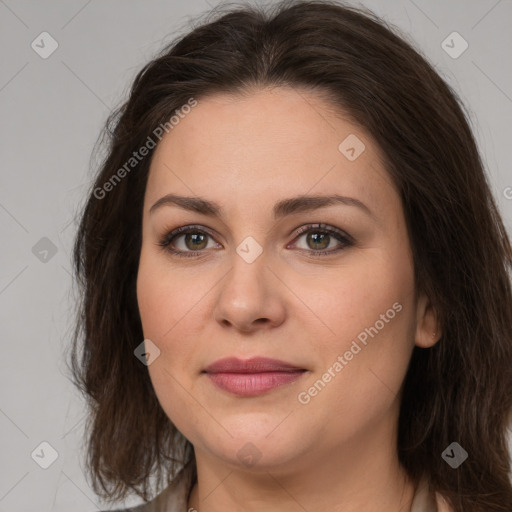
{"type": "Point", "coordinates": [427, 500]}
{"type": "Point", "coordinates": [174, 497]}
{"type": "Point", "coordinates": [442, 504]}
{"type": "Point", "coordinates": [138, 508]}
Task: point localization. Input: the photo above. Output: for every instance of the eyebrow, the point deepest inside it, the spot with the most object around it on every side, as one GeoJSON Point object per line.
{"type": "Point", "coordinates": [283, 208]}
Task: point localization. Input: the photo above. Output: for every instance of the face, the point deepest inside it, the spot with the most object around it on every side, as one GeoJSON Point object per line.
{"type": "Point", "coordinates": [260, 278]}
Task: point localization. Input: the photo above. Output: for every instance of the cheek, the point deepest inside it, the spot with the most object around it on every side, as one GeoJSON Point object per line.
{"type": "Point", "coordinates": [353, 299]}
{"type": "Point", "coordinates": [163, 316]}
{"type": "Point", "coordinates": [161, 295]}
{"type": "Point", "coordinates": [370, 314]}
{"type": "Point", "coordinates": [171, 311]}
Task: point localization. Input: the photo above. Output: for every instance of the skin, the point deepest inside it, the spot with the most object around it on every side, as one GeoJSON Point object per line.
{"type": "Point", "coordinates": [337, 452]}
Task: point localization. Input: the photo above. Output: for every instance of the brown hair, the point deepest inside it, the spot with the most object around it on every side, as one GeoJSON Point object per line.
{"type": "Point", "coordinates": [458, 390]}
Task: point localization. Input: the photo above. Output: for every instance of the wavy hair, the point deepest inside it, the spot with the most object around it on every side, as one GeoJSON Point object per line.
{"type": "Point", "coordinates": [459, 389]}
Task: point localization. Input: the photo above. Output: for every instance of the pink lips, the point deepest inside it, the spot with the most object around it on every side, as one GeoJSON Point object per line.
{"type": "Point", "coordinates": [251, 377]}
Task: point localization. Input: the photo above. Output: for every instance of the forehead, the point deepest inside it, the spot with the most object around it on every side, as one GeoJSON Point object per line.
{"type": "Point", "coordinates": [278, 142]}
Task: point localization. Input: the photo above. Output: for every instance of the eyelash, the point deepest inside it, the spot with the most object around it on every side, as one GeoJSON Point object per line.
{"type": "Point", "coordinates": [339, 235]}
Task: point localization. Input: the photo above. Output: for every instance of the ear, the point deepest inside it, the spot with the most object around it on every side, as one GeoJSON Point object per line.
{"type": "Point", "coordinates": [428, 330]}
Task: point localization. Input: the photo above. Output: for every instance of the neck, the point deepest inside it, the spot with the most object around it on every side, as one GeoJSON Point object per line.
{"type": "Point", "coordinates": [363, 475]}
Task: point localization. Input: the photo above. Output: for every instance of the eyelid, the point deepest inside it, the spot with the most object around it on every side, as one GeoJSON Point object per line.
{"type": "Point", "coordinates": [342, 236]}
{"type": "Point", "coordinates": [171, 234]}
{"type": "Point", "coordinates": [321, 226]}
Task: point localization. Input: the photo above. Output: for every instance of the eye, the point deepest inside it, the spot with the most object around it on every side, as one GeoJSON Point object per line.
{"type": "Point", "coordinates": [318, 238]}
{"type": "Point", "coordinates": [193, 240]}
{"type": "Point", "coordinates": [190, 241]}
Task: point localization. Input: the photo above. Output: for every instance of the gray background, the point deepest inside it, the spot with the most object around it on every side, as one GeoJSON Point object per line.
{"type": "Point", "coordinates": [52, 111]}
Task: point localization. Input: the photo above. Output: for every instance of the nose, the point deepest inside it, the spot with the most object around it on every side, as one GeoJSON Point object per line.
{"type": "Point", "coordinates": [250, 296]}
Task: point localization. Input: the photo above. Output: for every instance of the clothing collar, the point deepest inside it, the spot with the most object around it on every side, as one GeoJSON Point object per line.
{"type": "Point", "coordinates": [175, 496]}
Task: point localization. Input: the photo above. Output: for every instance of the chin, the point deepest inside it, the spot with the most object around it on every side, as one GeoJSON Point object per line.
{"type": "Point", "coordinates": [257, 447]}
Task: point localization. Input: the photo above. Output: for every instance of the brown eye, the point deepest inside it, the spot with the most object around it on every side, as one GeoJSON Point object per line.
{"type": "Point", "coordinates": [195, 241]}
{"type": "Point", "coordinates": [318, 238]}
{"type": "Point", "coordinates": [186, 241]}
{"type": "Point", "coordinates": [190, 241]}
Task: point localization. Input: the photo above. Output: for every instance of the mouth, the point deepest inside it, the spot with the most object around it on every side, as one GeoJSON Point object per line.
{"type": "Point", "coordinates": [252, 377]}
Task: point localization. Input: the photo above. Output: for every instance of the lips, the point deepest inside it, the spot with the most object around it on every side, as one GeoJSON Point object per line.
{"type": "Point", "coordinates": [251, 377]}
{"type": "Point", "coordinates": [254, 365]}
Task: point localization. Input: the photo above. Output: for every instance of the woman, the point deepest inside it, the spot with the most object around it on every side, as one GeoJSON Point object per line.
{"type": "Point", "coordinates": [295, 279]}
